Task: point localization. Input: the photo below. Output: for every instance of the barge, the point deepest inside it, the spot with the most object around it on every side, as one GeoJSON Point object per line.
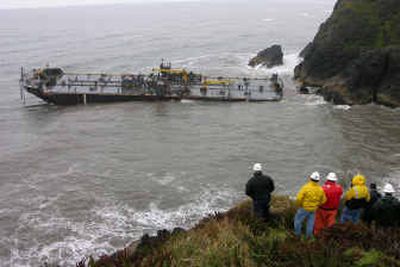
{"type": "Point", "coordinates": [164, 83]}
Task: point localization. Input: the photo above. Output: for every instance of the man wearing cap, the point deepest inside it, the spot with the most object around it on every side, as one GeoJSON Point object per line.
{"type": "Point", "coordinates": [326, 214]}
{"type": "Point", "coordinates": [259, 188]}
{"type": "Point", "coordinates": [386, 211]}
{"type": "Point", "coordinates": [309, 198]}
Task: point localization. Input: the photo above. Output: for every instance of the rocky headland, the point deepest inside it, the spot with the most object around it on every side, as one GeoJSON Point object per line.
{"type": "Point", "coordinates": [236, 238]}
{"type": "Point", "coordinates": [270, 57]}
{"type": "Point", "coordinates": [355, 56]}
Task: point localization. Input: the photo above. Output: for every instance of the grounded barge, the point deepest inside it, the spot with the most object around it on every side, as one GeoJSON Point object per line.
{"type": "Point", "coordinates": [55, 86]}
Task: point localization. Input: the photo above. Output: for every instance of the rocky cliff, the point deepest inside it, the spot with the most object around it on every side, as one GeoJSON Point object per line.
{"type": "Point", "coordinates": [355, 56]}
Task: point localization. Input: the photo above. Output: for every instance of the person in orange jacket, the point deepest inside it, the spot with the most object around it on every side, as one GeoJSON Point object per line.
{"type": "Point", "coordinates": [326, 214]}
{"type": "Point", "coordinates": [309, 198]}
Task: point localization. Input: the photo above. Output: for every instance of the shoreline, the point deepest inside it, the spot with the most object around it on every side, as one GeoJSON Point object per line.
{"type": "Point", "coordinates": [236, 238]}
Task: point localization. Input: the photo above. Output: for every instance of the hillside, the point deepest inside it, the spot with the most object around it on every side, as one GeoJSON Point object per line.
{"type": "Point", "coordinates": [355, 56]}
{"type": "Point", "coordinates": [235, 238]}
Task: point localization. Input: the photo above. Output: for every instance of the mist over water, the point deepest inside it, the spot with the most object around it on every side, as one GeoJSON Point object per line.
{"type": "Point", "coordinates": [84, 180]}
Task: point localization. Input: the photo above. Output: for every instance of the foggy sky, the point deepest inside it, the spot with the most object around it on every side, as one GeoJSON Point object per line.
{"type": "Point", "coordinates": [11, 4]}
{"type": "Point", "coordinates": [16, 4]}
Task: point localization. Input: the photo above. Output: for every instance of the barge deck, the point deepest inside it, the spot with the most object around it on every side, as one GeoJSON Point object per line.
{"type": "Point", "coordinates": [55, 86]}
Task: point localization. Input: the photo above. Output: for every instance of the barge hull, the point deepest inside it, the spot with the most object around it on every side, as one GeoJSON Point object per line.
{"type": "Point", "coordinates": [64, 99]}
{"type": "Point", "coordinates": [68, 99]}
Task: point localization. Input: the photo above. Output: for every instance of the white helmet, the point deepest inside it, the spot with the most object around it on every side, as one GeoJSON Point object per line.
{"type": "Point", "coordinates": [332, 177]}
{"type": "Point", "coordinates": [388, 188]}
{"type": "Point", "coordinates": [315, 176]}
{"type": "Point", "coordinates": [257, 167]}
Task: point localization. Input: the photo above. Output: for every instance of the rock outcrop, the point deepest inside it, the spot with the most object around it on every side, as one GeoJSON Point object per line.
{"type": "Point", "coordinates": [270, 57]}
{"type": "Point", "coordinates": [355, 56]}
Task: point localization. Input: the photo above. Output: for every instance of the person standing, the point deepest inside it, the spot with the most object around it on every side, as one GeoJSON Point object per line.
{"type": "Point", "coordinates": [259, 189]}
{"type": "Point", "coordinates": [309, 198]}
{"type": "Point", "coordinates": [356, 198]}
{"type": "Point", "coordinates": [326, 214]}
{"type": "Point", "coordinates": [386, 211]}
{"type": "Point", "coordinates": [375, 196]}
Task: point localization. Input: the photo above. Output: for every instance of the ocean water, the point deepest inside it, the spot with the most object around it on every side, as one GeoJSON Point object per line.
{"type": "Point", "coordinates": [87, 180]}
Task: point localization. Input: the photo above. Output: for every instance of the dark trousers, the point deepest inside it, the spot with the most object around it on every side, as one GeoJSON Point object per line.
{"type": "Point", "coordinates": [261, 208]}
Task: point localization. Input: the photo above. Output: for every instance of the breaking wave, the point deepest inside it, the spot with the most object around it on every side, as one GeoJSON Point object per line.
{"type": "Point", "coordinates": [109, 227]}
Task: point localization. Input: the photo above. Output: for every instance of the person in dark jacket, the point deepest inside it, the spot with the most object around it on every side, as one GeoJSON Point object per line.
{"type": "Point", "coordinates": [259, 189]}
{"type": "Point", "coordinates": [386, 211]}
{"type": "Point", "coordinates": [375, 196]}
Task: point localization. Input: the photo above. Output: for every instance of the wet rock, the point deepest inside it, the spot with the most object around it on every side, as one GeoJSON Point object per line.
{"type": "Point", "coordinates": [305, 90]}
{"type": "Point", "coordinates": [178, 230]}
{"type": "Point", "coordinates": [270, 57]}
{"type": "Point", "coordinates": [355, 56]}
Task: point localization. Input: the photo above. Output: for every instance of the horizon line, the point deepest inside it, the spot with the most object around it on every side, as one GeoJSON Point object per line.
{"type": "Point", "coordinates": [121, 2]}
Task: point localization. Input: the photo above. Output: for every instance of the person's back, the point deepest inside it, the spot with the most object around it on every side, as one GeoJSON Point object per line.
{"type": "Point", "coordinates": [311, 196]}
{"type": "Point", "coordinates": [259, 186]}
{"type": "Point", "coordinates": [308, 199]}
{"type": "Point", "coordinates": [356, 198]}
{"type": "Point", "coordinates": [386, 211]}
{"type": "Point", "coordinates": [326, 214]}
{"type": "Point", "coordinates": [375, 195]}
{"type": "Point", "coordinates": [333, 193]}
{"type": "Point", "coordinates": [259, 189]}
{"type": "Point", "coordinates": [358, 195]}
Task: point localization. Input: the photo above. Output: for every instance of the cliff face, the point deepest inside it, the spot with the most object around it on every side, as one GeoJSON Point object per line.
{"type": "Point", "coordinates": [355, 56]}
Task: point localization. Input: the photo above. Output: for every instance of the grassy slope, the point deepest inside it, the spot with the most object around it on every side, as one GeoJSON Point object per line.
{"type": "Point", "coordinates": [359, 25]}
{"type": "Point", "coordinates": [380, 26]}
{"type": "Point", "coordinates": [236, 238]}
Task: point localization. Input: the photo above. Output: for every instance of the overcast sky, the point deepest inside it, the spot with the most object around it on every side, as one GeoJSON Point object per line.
{"type": "Point", "coordinates": [6, 4]}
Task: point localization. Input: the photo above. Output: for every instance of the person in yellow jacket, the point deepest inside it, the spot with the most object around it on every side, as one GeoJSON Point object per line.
{"type": "Point", "coordinates": [356, 198]}
{"type": "Point", "coordinates": [309, 198]}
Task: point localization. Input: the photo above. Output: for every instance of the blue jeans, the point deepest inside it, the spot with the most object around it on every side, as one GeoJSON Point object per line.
{"type": "Point", "coordinates": [349, 215]}
{"type": "Point", "coordinates": [302, 215]}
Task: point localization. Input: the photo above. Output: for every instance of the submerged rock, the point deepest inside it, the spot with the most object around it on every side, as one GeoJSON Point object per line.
{"type": "Point", "coordinates": [355, 56]}
{"type": "Point", "coordinates": [270, 57]}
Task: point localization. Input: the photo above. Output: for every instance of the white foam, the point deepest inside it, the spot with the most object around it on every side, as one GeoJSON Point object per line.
{"type": "Point", "coordinates": [166, 179]}
{"type": "Point", "coordinates": [235, 64]}
{"type": "Point", "coordinates": [268, 19]}
{"type": "Point", "coordinates": [342, 107]}
{"type": "Point", "coordinates": [290, 61]}
{"type": "Point", "coordinates": [187, 101]}
{"type": "Point", "coordinates": [305, 14]}
{"type": "Point", "coordinates": [314, 100]}
{"type": "Point", "coordinates": [109, 227]}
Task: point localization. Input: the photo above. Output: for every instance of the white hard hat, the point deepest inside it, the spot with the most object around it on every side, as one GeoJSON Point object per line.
{"type": "Point", "coordinates": [332, 177]}
{"type": "Point", "coordinates": [388, 188]}
{"type": "Point", "coordinates": [257, 167]}
{"type": "Point", "coordinates": [315, 176]}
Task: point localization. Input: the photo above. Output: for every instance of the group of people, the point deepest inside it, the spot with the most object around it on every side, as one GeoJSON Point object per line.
{"type": "Point", "coordinates": [319, 205]}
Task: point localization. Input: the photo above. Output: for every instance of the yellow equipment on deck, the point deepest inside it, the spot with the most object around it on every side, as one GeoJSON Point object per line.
{"type": "Point", "coordinates": [217, 82]}
{"type": "Point", "coordinates": [182, 72]}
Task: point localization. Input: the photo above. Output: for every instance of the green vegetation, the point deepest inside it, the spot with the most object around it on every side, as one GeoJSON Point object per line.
{"type": "Point", "coordinates": [235, 238]}
{"type": "Point", "coordinates": [378, 30]}
{"type": "Point", "coordinates": [354, 56]}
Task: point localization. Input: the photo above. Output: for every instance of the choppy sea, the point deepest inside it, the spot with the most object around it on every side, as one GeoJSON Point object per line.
{"type": "Point", "coordinates": [87, 180]}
